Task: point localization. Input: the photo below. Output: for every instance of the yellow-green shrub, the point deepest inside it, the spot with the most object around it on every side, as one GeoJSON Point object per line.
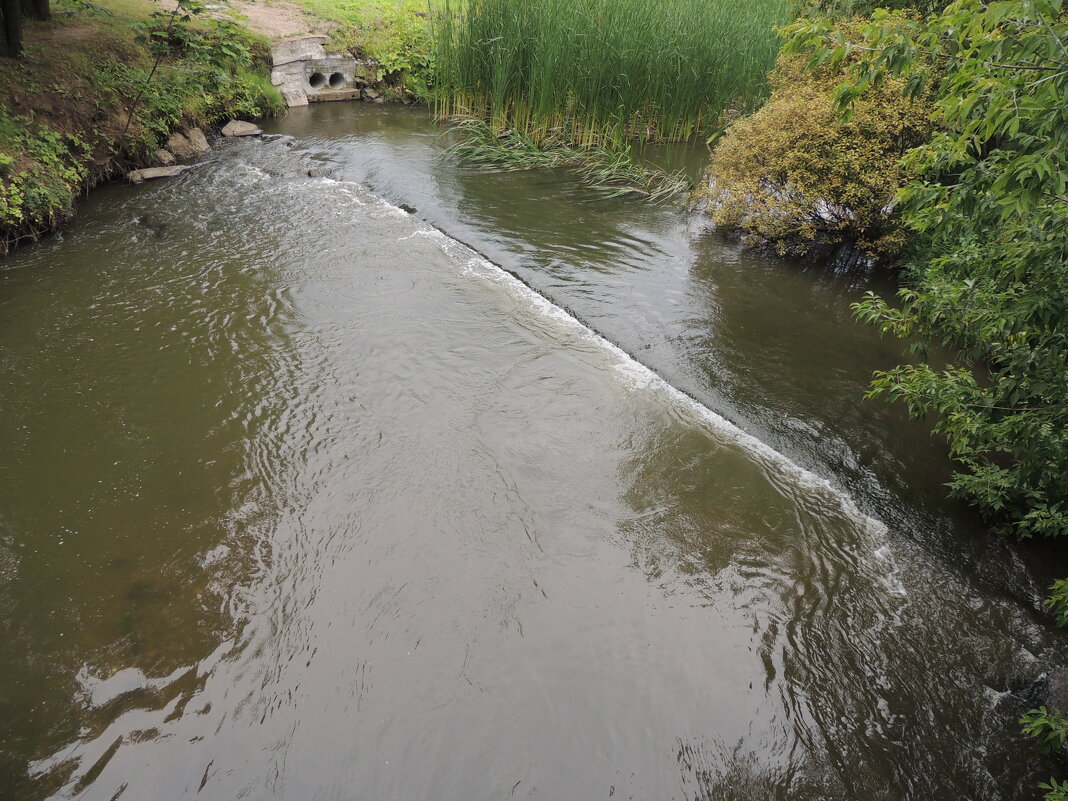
{"type": "Point", "coordinates": [795, 173]}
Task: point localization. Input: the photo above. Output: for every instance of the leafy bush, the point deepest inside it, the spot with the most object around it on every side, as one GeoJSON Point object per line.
{"type": "Point", "coordinates": [400, 42]}
{"type": "Point", "coordinates": [796, 172]}
{"type": "Point", "coordinates": [1057, 603]}
{"type": "Point", "coordinates": [164, 77]}
{"type": "Point", "coordinates": [1058, 791]}
{"type": "Point", "coordinates": [40, 172]}
{"type": "Point", "coordinates": [396, 35]}
{"type": "Point", "coordinates": [989, 199]}
{"type": "Point", "coordinates": [1048, 726]}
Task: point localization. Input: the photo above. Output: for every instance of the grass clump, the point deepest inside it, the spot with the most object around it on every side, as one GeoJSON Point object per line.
{"type": "Point", "coordinates": [594, 72]}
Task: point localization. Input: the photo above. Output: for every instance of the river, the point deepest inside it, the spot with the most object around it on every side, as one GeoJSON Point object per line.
{"type": "Point", "coordinates": [523, 494]}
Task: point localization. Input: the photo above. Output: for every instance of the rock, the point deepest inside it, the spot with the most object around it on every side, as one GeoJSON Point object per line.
{"type": "Point", "coordinates": [407, 208]}
{"type": "Point", "coordinates": [181, 147]}
{"type": "Point", "coordinates": [1057, 689]}
{"type": "Point", "coordinates": [370, 94]}
{"type": "Point", "coordinates": [316, 172]}
{"type": "Point", "coordinates": [295, 97]}
{"type": "Point", "coordinates": [198, 141]}
{"type": "Point", "coordinates": [165, 157]}
{"type": "Point", "coordinates": [240, 128]}
{"type": "Point", "coordinates": [148, 173]}
{"type": "Point", "coordinates": [378, 100]}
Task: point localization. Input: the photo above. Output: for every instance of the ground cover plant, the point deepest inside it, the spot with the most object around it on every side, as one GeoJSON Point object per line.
{"type": "Point", "coordinates": [603, 72]}
{"type": "Point", "coordinates": [395, 34]}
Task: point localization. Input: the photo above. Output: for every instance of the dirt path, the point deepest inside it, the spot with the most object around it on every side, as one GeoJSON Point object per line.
{"type": "Point", "coordinates": [278, 19]}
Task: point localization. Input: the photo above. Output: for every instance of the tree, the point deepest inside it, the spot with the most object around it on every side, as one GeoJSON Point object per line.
{"type": "Point", "coordinates": [988, 200]}
{"type": "Point", "coordinates": [11, 22]}
{"type": "Point", "coordinates": [12, 13]}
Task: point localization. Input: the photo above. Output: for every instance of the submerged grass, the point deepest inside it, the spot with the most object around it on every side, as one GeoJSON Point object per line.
{"type": "Point", "coordinates": [597, 72]}
{"type": "Point", "coordinates": [609, 172]}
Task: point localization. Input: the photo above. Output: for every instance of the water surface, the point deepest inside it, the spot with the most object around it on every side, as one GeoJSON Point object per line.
{"type": "Point", "coordinates": [303, 498]}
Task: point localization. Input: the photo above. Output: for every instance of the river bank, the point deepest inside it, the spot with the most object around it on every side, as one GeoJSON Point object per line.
{"type": "Point", "coordinates": [98, 91]}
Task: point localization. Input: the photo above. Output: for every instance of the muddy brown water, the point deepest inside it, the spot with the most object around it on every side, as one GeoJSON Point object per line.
{"type": "Point", "coordinates": [303, 498]}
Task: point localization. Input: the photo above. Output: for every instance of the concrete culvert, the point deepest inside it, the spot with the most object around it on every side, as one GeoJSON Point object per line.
{"type": "Point", "coordinates": [317, 80]}
{"type": "Point", "coordinates": [337, 80]}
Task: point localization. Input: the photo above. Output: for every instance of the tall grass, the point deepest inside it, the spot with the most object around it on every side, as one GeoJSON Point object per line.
{"type": "Point", "coordinates": [603, 72]}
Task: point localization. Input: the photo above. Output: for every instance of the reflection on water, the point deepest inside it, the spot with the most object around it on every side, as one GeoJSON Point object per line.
{"type": "Point", "coordinates": [305, 500]}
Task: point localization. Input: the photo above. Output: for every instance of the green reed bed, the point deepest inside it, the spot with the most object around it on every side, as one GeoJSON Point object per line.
{"type": "Point", "coordinates": [604, 72]}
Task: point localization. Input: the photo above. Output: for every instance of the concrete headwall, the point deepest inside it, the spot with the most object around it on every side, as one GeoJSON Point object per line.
{"type": "Point", "coordinates": [305, 72]}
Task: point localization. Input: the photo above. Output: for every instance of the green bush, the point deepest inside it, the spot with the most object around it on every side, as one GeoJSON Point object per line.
{"type": "Point", "coordinates": [796, 172]}
{"type": "Point", "coordinates": [1057, 603]}
{"type": "Point", "coordinates": [394, 34]}
{"type": "Point", "coordinates": [40, 173]}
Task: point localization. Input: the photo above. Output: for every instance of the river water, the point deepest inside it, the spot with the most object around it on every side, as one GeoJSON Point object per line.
{"type": "Point", "coordinates": [303, 496]}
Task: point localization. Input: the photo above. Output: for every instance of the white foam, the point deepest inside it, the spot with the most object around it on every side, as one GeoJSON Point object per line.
{"type": "Point", "coordinates": [636, 375]}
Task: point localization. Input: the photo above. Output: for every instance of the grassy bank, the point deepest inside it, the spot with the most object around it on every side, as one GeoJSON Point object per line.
{"type": "Point", "coordinates": [78, 107]}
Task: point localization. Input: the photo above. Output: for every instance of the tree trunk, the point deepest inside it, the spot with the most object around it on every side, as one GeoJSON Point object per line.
{"type": "Point", "coordinates": [36, 9]}
{"type": "Point", "coordinates": [11, 24]}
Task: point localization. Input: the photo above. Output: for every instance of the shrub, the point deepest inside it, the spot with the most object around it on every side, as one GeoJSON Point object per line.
{"type": "Point", "coordinates": [796, 172]}
{"type": "Point", "coordinates": [990, 200]}
{"type": "Point", "coordinates": [40, 172]}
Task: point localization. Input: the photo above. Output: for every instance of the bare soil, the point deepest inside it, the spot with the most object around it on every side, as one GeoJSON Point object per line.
{"type": "Point", "coordinates": [277, 20]}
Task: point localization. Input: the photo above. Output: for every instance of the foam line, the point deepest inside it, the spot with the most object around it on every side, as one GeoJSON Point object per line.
{"type": "Point", "coordinates": [641, 376]}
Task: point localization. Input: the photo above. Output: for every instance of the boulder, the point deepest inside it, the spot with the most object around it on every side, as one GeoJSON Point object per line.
{"type": "Point", "coordinates": [1057, 690]}
{"type": "Point", "coordinates": [148, 173]}
{"type": "Point", "coordinates": [240, 128]}
{"type": "Point", "coordinates": [199, 141]}
{"type": "Point", "coordinates": [181, 147]}
{"type": "Point", "coordinates": [370, 94]}
{"type": "Point", "coordinates": [165, 157]}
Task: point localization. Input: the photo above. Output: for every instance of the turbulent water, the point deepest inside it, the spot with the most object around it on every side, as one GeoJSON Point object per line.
{"type": "Point", "coordinates": [302, 497]}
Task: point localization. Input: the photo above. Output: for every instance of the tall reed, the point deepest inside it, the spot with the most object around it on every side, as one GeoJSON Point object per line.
{"type": "Point", "coordinates": [604, 72]}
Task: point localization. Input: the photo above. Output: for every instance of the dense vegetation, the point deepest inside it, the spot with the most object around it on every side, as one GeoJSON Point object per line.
{"type": "Point", "coordinates": [604, 72]}
{"type": "Point", "coordinates": [395, 34]}
{"type": "Point", "coordinates": [795, 172]}
{"type": "Point", "coordinates": [987, 201]}
{"type": "Point", "coordinates": [97, 91]}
